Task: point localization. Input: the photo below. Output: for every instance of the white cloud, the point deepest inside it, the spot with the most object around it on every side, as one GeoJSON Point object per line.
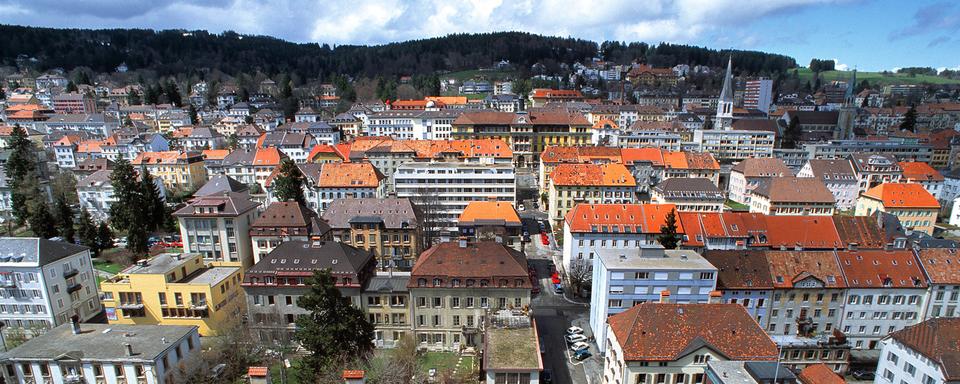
{"type": "Point", "coordinates": [840, 67]}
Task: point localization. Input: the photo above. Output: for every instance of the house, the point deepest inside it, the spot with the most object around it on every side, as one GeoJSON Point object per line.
{"type": "Point", "coordinates": [923, 353]}
{"type": "Point", "coordinates": [672, 343]}
{"type": "Point", "coordinates": [491, 220]}
{"type": "Point", "coordinates": [590, 228]}
{"type": "Point", "coordinates": [916, 208]}
{"type": "Point", "coordinates": [320, 132]}
{"type": "Point", "coordinates": [285, 221]}
{"type": "Point", "coordinates": [65, 151]}
{"type": "Point", "coordinates": [743, 277]}
{"type": "Point", "coordinates": [296, 146]}
{"type": "Point", "coordinates": [329, 181]}
{"type": "Point", "coordinates": [247, 136]}
{"type": "Point", "coordinates": [923, 174]}
{"type": "Point", "coordinates": [942, 270]}
{"type": "Point", "coordinates": [689, 195]}
{"type": "Point", "coordinates": [274, 285]}
{"type": "Point", "coordinates": [808, 294]}
{"type": "Point", "coordinates": [175, 289]}
{"type": "Point", "coordinates": [875, 169]}
{"type": "Point", "coordinates": [886, 291]}
{"type": "Point", "coordinates": [103, 353]}
{"type": "Point", "coordinates": [180, 171]}
{"type": "Point", "coordinates": [748, 174]}
{"type": "Point", "coordinates": [218, 227]}
{"type": "Point", "coordinates": [390, 228]}
{"type": "Point", "coordinates": [202, 138]}
{"type": "Point", "coordinates": [386, 301]}
{"type": "Point", "coordinates": [220, 184]}
{"type": "Point", "coordinates": [46, 283]}
{"type": "Point", "coordinates": [96, 194]}
{"type": "Point", "coordinates": [455, 284]}
{"type": "Point", "coordinates": [838, 176]}
{"type": "Point", "coordinates": [624, 278]}
{"type": "Point", "coordinates": [572, 184]}
{"type": "Point", "coordinates": [804, 196]}
{"type": "Point", "coordinates": [511, 349]}
{"type": "Point", "coordinates": [820, 374]}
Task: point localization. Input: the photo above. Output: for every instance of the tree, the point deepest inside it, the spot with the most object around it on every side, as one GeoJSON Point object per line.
{"type": "Point", "coordinates": [172, 93]}
{"type": "Point", "coordinates": [233, 141]}
{"type": "Point", "coordinates": [333, 329]}
{"type": "Point", "coordinates": [793, 134]}
{"type": "Point", "coordinates": [127, 212]}
{"type": "Point", "coordinates": [580, 275]}
{"type": "Point", "coordinates": [104, 236]}
{"type": "Point", "coordinates": [668, 231]}
{"type": "Point", "coordinates": [64, 217]}
{"type": "Point", "coordinates": [3, 94]}
{"type": "Point", "coordinates": [134, 97]}
{"type": "Point", "coordinates": [909, 122]}
{"type": "Point", "coordinates": [194, 117]}
{"type": "Point", "coordinates": [288, 185]}
{"type": "Point", "coordinates": [71, 87]}
{"type": "Point", "coordinates": [153, 206]}
{"type": "Point", "coordinates": [87, 232]}
{"type": "Point", "coordinates": [20, 164]}
{"type": "Point", "coordinates": [522, 88]}
{"type": "Point", "coordinates": [42, 222]}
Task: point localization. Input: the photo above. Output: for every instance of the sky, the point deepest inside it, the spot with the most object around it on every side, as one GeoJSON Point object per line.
{"type": "Point", "coordinates": [868, 35]}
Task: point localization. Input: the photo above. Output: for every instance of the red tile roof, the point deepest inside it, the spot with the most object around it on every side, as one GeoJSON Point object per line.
{"type": "Point", "coordinates": [942, 265]}
{"type": "Point", "coordinates": [668, 332]}
{"type": "Point", "coordinates": [881, 268]}
{"type": "Point", "coordinates": [579, 154]}
{"type": "Point", "coordinates": [257, 371]}
{"type": "Point", "coordinates": [820, 374]}
{"type": "Point", "coordinates": [490, 211]}
{"type": "Point", "coordinates": [349, 175]}
{"type": "Point", "coordinates": [481, 260]}
{"type": "Point", "coordinates": [587, 175]}
{"type": "Point", "coordinates": [935, 339]}
{"type": "Point", "coordinates": [267, 157]}
{"type": "Point", "coordinates": [791, 267]}
{"type": "Point", "coordinates": [919, 171]}
{"type": "Point", "coordinates": [759, 230]}
{"type": "Point", "coordinates": [623, 218]}
{"type": "Point", "coordinates": [634, 155]}
{"type": "Point", "coordinates": [902, 195]}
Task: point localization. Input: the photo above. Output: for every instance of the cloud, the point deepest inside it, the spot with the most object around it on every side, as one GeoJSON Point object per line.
{"type": "Point", "coordinates": [372, 21]}
{"type": "Point", "coordinates": [938, 17]}
{"type": "Point", "coordinates": [938, 41]}
{"type": "Point", "coordinates": [840, 67]}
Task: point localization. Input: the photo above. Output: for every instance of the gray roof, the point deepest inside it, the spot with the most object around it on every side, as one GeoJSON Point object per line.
{"type": "Point", "coordinates": [239, 157]}
{"type": "Point", "coordinates": [219, 184]}
{"type": "Point", "coordinates": [689, 187]}
{"type": "Point", "coordinates": [832, 169]}
{"type": "Point", "coordinates": [387, 283]}
{"type": "Point", "coordinates": [102, 342]}
{"type": "Point", "coordinates": [303, 256]}
{"type": "Point", "coordinates": [228, 204]}
{"type": "Point", "coordinates": [35, 250]}
{"type": "Point", "coordinates": [395, 213]}
{"type": "Point", "coordinates": [95, 179]}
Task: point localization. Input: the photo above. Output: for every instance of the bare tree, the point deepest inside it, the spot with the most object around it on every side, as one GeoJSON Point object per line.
{"type": "Point", "coordinates": [580, 275]}
{"type": "Point", "coordinates": [232, 346]}
{"type": "Point", "coordinates": [430, 224]}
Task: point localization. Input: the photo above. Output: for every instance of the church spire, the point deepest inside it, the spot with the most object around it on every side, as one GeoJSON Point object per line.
{"type": "Point", "coordinates": [724, 118]}
{"type": "Point", "coordinates": [727, 93]}
{"type": "Point", "coordinates": [850, 96]}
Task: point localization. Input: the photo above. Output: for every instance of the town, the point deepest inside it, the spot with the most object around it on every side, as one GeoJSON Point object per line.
{"type": "Point", "coordinates": [682, 216]}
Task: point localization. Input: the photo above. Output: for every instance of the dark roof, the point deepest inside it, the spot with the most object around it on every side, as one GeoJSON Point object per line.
{"type": "Point", "coordinates": [395, 213]}
{"type": "Point", "coordinates": [686, 187]}
{"type": "Point", "coordinates": [795, 190]}
{"type": "Point", "coordinates": [762, 167]}
{"type": "Point", "coordinates": [477, 260]}
{"type": "Point", "coordinates": [302, 257]}
{"type": "Point", "coordinates": [288, 218]}
{"type": "Point", "coordinates": [395, 283]}
{"type": "Point", "coordinates": [740, 269]}
{"type": "Point", "coordinates": [239, 157]}
{"type": "Point", "coordinates": [860, 230]}
{"type": "Point", "coordinates": [219, 184]}
{"type": "Point", "coordinates": [228, 204]}
{"type": "Point", "coordinates": [832, 169]}
{"type": "Point", "coordinates": [36, 250]}
{"type": "Point", "coordinates": [935, 339]}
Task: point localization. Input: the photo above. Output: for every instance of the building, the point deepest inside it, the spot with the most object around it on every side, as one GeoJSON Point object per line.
{"type": "Point", "coordinates": [511, 349]}
{"type": "Point", "coordinates": [180, 171]}
{"type": "Point", "coordinates": [294, 145]}
{"type": "Point", "coordinates": [527, 133]}
{"type": "Point", "coordinates": [689, 195]}
{"type": "Point", "coordinates": [820, 374]}
{"type": "Point", "coordinates": [102, 353]}
{"type": "Point", "coordinates": [274, 285]}
{"type": "Point", "coordinates": [751, 372]}
{"type": "Point", "coordinates": [743, 278]}
{"type": "Point", "coordinates": [386, 301]}
{"type": "Point", "coordinates": [553, 156]}
{"type": "Point", "coordinates": [492, 220]}
{"type": "Point", "coordinates": [591, 228]}
{"type": "Point", "coordinates": [541, 96]}
{"type": "Point", "coordinates": [96, 194]}
{"type": "Point", "coordinates": [897, 148]}
{"type": "Point", "coordinates": [45, 283]}
{"type": "Point", "coordinates": [916, 208]}
{"type": "Point", "coordinates": [734, 145]}
{"type": "Point", "coordinates": [572, 184]}
{"type": "Point", "coordinates": [886, 291]}
{"type": "Point", "coordinates": [624, 278]}
{"type": "Point", "coordinates": [748, 174]}
{"type": "Point", "coordinates": [218, 227]}
{"type": "Point", "coordinates": [838, 176]}
{"type": "Point", "coordinates": [453, 285]}
{"type": "Point", "coordinates": [175, 289]}
{"type": "Point", "coordinates": [448, 187]}
{"type": "Point", "coordinates": [329, 181]}
{"type": "Point", "coordinates": [808, 294]}
{"type": "Point", "coordinates": [923, 174]}
{"type": "Point", "coordinates": [672, 343]}
{"type": "Point", "coordinates": [942, 270]}
{"type": "Point", "coordinates": [804, 196]}
{"type": "Point", "coordinates": [924, 353]}
{"type": "Point", "coordinates": [390, 228]}
{"type": "Point", "coordinates": [758, 94]}
{"type": "Point", "coordinates": [831, 351]}
{"type": "Point", "coordinates": [285, 221]}
{"type": "Point", "coordinates": [74, 102]}
{"type": "Point", "coordinates": [873, 170]}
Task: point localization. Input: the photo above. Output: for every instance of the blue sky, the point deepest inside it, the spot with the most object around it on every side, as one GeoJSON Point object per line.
{"type": "Point", "coordinates": [871, 35]}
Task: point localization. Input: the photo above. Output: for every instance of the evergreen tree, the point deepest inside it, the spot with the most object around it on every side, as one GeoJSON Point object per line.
{"type": "Point", "coordinates": [87, 231]}
{"type": "Point", "coordinates": [3, 94]}
{"type": "Point", "coordinates": [793, 134]}
{"type": "Point", "coordinates": [153, 206]}
{"type": "Point", "coordinates": [233, 141]}
{"type": "Point", "coordinates": [172, 93]}
{"type": "Point", "coordinates": [134, 97]}
{"type": "Point", "coordinates": [909, 122]}
{"type": "Point", "coordinates": [42, 222]}
{"type": "Point", "coordinates": [21, 173]}
{"type": "Point", "coordinates": [64, 216]}
{"type": "Point", "coordinates": [194, 117]}
{"type": "Point", "coordinates": [71, 87]}
{"type": "Point", "coordinates": [288, 185]}
{"type": "Point", "coordinates": [668, 232]}
{"type": "Point", "coordinates": [333, 330]}
{"type": "Point", "coordinates": [104, 237]}
{"type": "Point", "coordinates": [128, 209]}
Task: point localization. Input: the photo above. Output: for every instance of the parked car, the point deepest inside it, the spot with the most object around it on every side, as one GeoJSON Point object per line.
{"type": "Point", "coordinates": [575, 338]}
{"type": "Point", "coordinates": [864, 375]}
{"type": "Point", "coordinates": [546, 377]}
{"type": "Point", "coordinates": [582, 354]}
{"type": "Point", "coordinates": [579, 346]}
{"type": "Point", "coordinates": [522, 208]}
{"type": "Point", "coordinates": [574, 330]}
{"type": "Point", "coordinates": [558, 289]}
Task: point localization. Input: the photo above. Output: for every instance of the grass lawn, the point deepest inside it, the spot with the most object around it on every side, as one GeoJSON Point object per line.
{"type": "Point", "coordinates": [874, 78]}
{"type": "Point", "coordinates": [445, 360]}
{"type": "Point", "coordinates": [737, 207]}
{"type": "Point", "coordinates": [107, 266]}
{"type": "Point", "coordinates": [290, 373]}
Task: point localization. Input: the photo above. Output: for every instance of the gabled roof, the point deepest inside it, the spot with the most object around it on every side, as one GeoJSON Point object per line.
{"type": "Point", "coordinates": [918, 171]}
{"type": "Point", "coordinates": [34, 250]}
{"type": "Point", "coordinates": [881, 268]}
{"type": "Point", "coordinates": [220, 184]}
{"type": "Point", "coordinates": [791, 267]}
{"type": "Point", "coordinates": [302, 258]}
{"type": "Point", "coordinates": [619, 218]}
{"type": "Point", "coordinates": [902, 195]}
{"type": "Point", "coordinates": [935, 339]}
{"type": "Point", "coordinates": [227, 204]}
{"type": "Point", "coordinates": [265, 157]}
{"type": "Point", "coordinates": [288, 218]}
{"type": "Point", "coordinates": [832, 170]}
{"type": "Point", "coordinates": [667, 332]}
{"type": "Point", "coordinates": [579, 154]}
{"type": "Point", "coordinates": [395, 213]}
{"type": "Point", "coordinates": [762, 167]}
{"type": "Point", "coordinates": [479, 212]}
{"type": "Point", "coordinates": [740, 269]}
{"type": "Point", "coordinates": [478, 260]}
{"type": "Point", "coordinates": [820, 374]}
{"type": "Point", "coordinates": [349, 175]}
{"type": "Point", "coordinates": [601, 175]}
{"type": "Point", "coordinates": [795, 190]}
{"type": "Point", "coordinates": [942, 265]}
{"type": "Point", "coordinates": [860, 230]}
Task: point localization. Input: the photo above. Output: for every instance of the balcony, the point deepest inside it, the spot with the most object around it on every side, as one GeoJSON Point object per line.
{"type": "Point", "coordinates": [70, 273]}
{"type": "Point", "coordinates": [8, 283]}
{"type": "Point", "coordinates": [74, 287]}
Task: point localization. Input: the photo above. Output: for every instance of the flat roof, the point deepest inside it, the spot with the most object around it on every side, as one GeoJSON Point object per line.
{"type": "Point", "coordinates": [103, 342]}
{"type": "Point", "coordinates": [512, 349]}
{"type": "Point", "coordinates": [211, 276]}
{"type": "Point", "coordinates": [160, 264]}
{"type": "Point", "coordinates": [652, 258]}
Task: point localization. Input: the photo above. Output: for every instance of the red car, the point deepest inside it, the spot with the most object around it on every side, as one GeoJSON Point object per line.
{"type": "Point", "coordinates": [555, 278]}
{"type": "Point", "coordinates": [544, 239]}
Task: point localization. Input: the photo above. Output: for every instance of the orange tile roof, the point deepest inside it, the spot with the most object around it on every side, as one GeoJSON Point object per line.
{"type": "Point", "coordinates": [428, 149]}
{"type": "Point", "coordinates": [215, 154]}
{"type": "Point", "coordinates": [67, 140]}
{"type": "Point", "coordinates": [257, 371]}
{"type": "Point", "coordinates": [791, 267]}
{"type": "Point", "coordinates": [163, 157]}
{"type": "Point", "coordinates": [881, 268]}
{"type": "Point", "coordinates": [690, 160]}
{"type": "Point", "coordinates": [586, 175]}
{"type": "Point", "coordinates": [622, 218]}
{"type": "Point", "coordinates": [182, 132]}
{"type": "Point", "coordinates": [490, 211]}
{"type": "Point", "coordinates": [942, 265]}
{"type": "Point", "coordinates": [322, 148]}
{"type": "Point", "coordinates": [633, 155]}
{"type": "Point", "coordinates": [448, 100]}
{"type": "Point", "coordinates": [547, 93]}
{"type": "Point", "coordinates": [902, 195]}
{"type": "Point", "coordinates": [349, 175]}
{"type": "Point", "coordinates": [352, 374]}
{"type": "Point", "coordinates": [580, 154]}
{"type": "Point", "coordinates": [605, 124]}
{"type": "Point", "coordinates": [820, 374]}
{"type": "Point", "coordinates": [919, 171]}
{"type": "Point", "coordinates": [267, 157]}
{"type": "Point", "coordinates": [759, 230]}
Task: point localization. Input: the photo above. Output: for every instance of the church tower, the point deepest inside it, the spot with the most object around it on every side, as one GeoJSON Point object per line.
{"type": "Point", "coordinates": [848, 112]}
{"type": "Point", "coordinates": [724, 119]}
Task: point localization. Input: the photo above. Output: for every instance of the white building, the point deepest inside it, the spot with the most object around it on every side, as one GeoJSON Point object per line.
{"type": "Point", "coordinates": [758, 94]}
{"type": "Point", "coordinates": [734, 145]}
{"type": "Point", "coordinates": [328, 181]}
{"type": "Point", "coordinates": [589, 229]}
{"type": "Point", "coordinates": [96, 193]}
{"type": "Point", "coordinates": [748, 174]}
{"type": "Point", "coordinates": [925, 353]}
{"type": "Point", "coordinates": [838, 176]}
{"type": "Point", "coordinates": [103, 354]}
{"type": "Point", "coordinates": [624, 278]}
{"type": "Point", "coordinates": [218, 226]}
{"type": "Point", "coordinates": [943, 274]}
{"type": "Point", "coordinates": [44, 283]}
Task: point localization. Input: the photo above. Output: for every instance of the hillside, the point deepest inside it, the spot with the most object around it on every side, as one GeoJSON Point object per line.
{"type": "Point", "coordinates": [876, 79]}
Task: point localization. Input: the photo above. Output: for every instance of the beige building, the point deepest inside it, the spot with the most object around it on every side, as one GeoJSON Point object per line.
{"type": "Point", "coordinates": [916, 208]}
{"type": "Point", "coordinates": [218, 227]}
{"type": "Point", "coordinates": [390, 228]}
{"type": "Point", "coordinates": [572, 184]}
{"type": "Point", "coordinates": [792, 196]}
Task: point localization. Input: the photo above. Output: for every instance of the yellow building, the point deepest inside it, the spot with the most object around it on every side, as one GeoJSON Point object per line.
{"type": "Point", "coordinates": [916, 208]}
{"type": "Point", "coordinates": [175, 289]}
{"type": "Point", "coordinates": [572, 184]}
{"type": "Point", "coordinates": [180, 171]}
{"type": "Point", "coordinates": [528, 133]}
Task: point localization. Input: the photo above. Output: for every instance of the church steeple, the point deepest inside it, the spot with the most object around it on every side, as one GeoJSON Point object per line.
{"type": "Point", "coordinates": [848, 112]}
{"type": "Point", "coordinates": [724, 119]}
{"type": "Point", "coordinates": [727, 93]}
{"type": "Point", "coordinates": [850, 97]}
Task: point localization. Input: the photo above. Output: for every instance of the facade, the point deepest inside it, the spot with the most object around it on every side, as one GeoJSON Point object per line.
{"type": "Point", "coordinates": [492, 220]}
{"type": "Point", "coordinates": [175, 289]}
{"type": "Point", "coordinates": [943, 274]}
{"type": "Point", "coordinates": [873, 170]}
{"type": "Point", "coordinates": [285, 221]}
{"type": "Point", "coordinates": [386, 301]}
{"type": "Point", "coordinates": [838, 176]}
{"type": "Point", "coordinates": [589, 229]}
{"type": "Point", "coordinates": [748, 174]}
{"type": "Point", "coordinates": [329, 181]}
{"type": "Point", "coordinates": [102, 353]}
{"type": "Point", "coordinates": [45, 283]}
{"type": "Point", "coordinates": [96, 194]}
{"type": "Point", "coordinates": [672, 343]}
{"type": "Point", "coordinates": [923, 174]}
{"type": "Point", "coordinates": [454, 285]}
{"type": "Point", "coordinates": [758, 94]}
{"type": "Point", "coordinates": [218, 227]}
{"type": "Point", "coordinates": [916, 208]}
{"type": "Point", "coordinates": [527, 133]}
{"type": "Point", "coordinates": [784, 196]}
{"type": "Point", "coordinates": [572, 184]}
{"type": "Point", "coordinates": [390, 228]}
{"type": "Point", "coordinates": [689, 195]}
{"type": "Point", "coordinates": [799, 353]}
{"type": "Point", "coordinates": [808, 295]}
{"type": "Point", "coordinates": [734, 145]}
{"type": "Point", "coordinates": [743, 278]}
{"type": "Point", "coordinates": [923, 353]}
{"type": "Point", "coordinates": [180, 171]}
{"type": "Point", "coordinates": [624, 278]}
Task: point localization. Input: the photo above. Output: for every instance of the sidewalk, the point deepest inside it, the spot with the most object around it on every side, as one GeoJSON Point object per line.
{"type": "Point", "coordinates": [592, 366]}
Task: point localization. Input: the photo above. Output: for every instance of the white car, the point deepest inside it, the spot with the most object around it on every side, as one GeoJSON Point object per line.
{"type": "Point", "coordinates": [575, 338]}
{"type": "Point", "coordinates": [522, 208]}
{"type": "Point", "coordinates": [579, 346]}
{"type": "Point", "coordinates": [574, 330]}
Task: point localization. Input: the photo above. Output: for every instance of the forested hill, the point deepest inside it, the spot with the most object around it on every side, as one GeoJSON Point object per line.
{"type": "Point", "coordinates": [178, 51]}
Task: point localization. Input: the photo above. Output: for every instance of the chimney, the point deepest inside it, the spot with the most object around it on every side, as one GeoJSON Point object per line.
{"type": "Point", "coordinates": [665, 296]}
{"type": "Point", "coordinates": [716, 297]}
{"type": "Point", "coordinates": [852, 246]}
{"type": "Point", "coordinates": [353, 377]}
{"type": "Point", "coordinates": [128, 348]}
{"type": "Point", "coordinates": [75, 324]}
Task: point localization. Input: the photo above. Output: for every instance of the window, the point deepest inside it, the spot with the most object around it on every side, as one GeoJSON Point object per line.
{"type": "Point", "coordinates": [701, 359]}
{"type": "Point", "coordinates": [909, 369]}
{"type": "Point", "coordinates": [706, 275]}
{"type": "Point", "coordinates": [163, 298]}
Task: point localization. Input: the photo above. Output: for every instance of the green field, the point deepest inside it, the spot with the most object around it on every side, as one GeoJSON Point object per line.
{"type": "Point", "coordinates": [875, 79]}
{"type": "Point", "coordinates": [107, 266]}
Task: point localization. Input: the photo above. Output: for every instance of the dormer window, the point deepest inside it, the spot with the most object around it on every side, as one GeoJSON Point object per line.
{"type": "Point", "coordinates": [421, 282]}
{"type": "Point", "coordinates": [455, 282]}
{"type": "Point", "coordinates": [437, 282]}
{"type": "Point", "coordinates": [470, 282]}
{"type": "Point", "coordinates": [484, 283]}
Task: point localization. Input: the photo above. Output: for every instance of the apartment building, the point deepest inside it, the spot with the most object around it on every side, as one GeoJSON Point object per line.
{"type": "Point", "coordinates": [553, 156]}
{"type": "Point", "coordinates": [175, 289]}
{"type": "Point", "coordinates": [689, 195]}
{"type": "Point", "coordinates": [527, 133]}
{"type": "Point", "coordinates": [743, 277]}
{"type": "Point", "coordinates": [329, 181]}
{"type": "Point", "coordinates": [792, 196]}
{"type": "Point", "coordinates": [923, 174]}
{"type": "Point", "coordinates": [808, 295]}
{"type": "Point", "coordinates": [920, 353]}
{"type": "Point", "coordinates": [729, 146]}
{"type": "Point", "coordinates": [589, 229]}
{"type": "Point", "coordinates": [748, 174]}
{"type": "Point", "coordinates": [285, 221]}
{"type": "Point", "coordinates": [218, 227]}
{"type": "Point", "coordinates": [572, 184]}
{"type": "Point", "coordinates": [492, 220]}
{"type": "Point", "coordinates": [390, 228]}
{"type": "Point", "coordinates": [838, 176]}
{"type": "Point", "coordinates": [942, 269]}
{"type": "Point", "coordinates": [873, 170]}
{"type": "Point", "coordinates": [74, 102]}
{"type": "Point", "coordinates": [916, 208]}
{"type": "Point", "coordinates": [386, 301]}
{"type": "Point", "coordinates": [180, 171]}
